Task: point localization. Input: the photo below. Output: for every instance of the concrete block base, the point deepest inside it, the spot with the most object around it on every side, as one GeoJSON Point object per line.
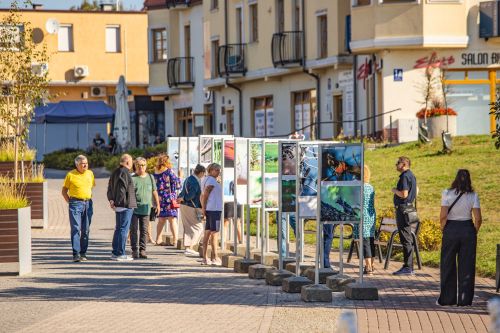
{"type": "Point", "coordinates": [168, 239]}
{"type": "Point", "coordinates": [361, 291]}
{"type": "Point", "coordinates": [286, 261]}
{"type": "Point", "coordinates": [180, 244]}
{"type": "Point", "coordinates": [229, 259]}
{"type": "Point", "coordinates": [316, 293]}
{"type": "Point", "coordinates": [294, 284]}
{"type": "Point", "coordinates": [240, 249]}
{"type": "Point", "coordinates": [323, 274]}
{"type": "Point", "coordinates": [275, 277]}
{"type": "Point", "coordinates": [241, 265]}
{"type": "Point", "coordinates": [258, 271]}
{"type": "Point", "coordinates": [302, 270]}
{"type": "Point", "coordinates": [338, 282]}
{"type": "Point", "coordinates": [268, 258]}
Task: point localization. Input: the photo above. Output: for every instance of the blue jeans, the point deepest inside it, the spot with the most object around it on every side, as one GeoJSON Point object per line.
{"type": "Point", "coordinates": [292, 223]}
{"type": "Point", "coordinates": [327, 244]}
{"type": "Point", "coordinates": [121, 231]}
{"type": "Point", "coordinates": [80, 216]}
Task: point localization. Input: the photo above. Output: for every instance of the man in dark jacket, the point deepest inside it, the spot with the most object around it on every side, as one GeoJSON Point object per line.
{"type": "Point", "coordinates": [121, 196]}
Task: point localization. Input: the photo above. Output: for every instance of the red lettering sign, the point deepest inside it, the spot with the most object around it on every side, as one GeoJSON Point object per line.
{"type": "Point", "coordinates": [433, 61]}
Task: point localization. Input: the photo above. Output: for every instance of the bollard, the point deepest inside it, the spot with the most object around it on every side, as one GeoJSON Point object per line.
{"type": "Point", "coordinates": [347, 322]}
{"type": "Point", "coordinates": [494, 310]}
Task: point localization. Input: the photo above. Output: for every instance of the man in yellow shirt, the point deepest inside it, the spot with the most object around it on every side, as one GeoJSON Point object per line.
{"type": "Point", "coordinates": [77, 191]}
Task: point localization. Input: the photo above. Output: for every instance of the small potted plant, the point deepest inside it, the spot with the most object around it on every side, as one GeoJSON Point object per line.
{"type": "Point", "coordinates": [15, 227]}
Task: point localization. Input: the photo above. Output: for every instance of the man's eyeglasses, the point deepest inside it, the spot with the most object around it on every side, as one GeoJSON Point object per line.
{"type": "Point", "coordinates": [142, 165]}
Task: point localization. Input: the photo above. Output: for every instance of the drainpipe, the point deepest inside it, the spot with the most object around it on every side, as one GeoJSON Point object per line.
{"type": "Point", "coordinates": [315, 76]}
{"type": "Point", "coordinates": [355, 65]}
{"type": "Point", "coordinates": [229, 84]}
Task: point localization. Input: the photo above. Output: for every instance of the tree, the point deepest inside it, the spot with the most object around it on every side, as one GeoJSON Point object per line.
{"type": "Point", "coordinates": [495, 110]}
{"type": "Point", "coordinates": [23, 77]}
{"type": "Point", "coordinates": [87, 6]}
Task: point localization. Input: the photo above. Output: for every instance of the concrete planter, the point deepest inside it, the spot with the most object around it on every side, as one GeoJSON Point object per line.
{"type": "Point", "coordinates": [437, 125]}
{"type": "Point", "coordinates": [15, 240]}
{"type": "Point", "coordinates": [7, 168]}
{"type": "Point", "coordinates": [37, 194]}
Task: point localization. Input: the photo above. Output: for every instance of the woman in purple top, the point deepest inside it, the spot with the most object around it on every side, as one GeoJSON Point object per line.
{"type": "Point", "coordinates": [168, 184]}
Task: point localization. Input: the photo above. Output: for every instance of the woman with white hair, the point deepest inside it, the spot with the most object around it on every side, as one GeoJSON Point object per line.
{"type": "Point", "coordinates": [212, 209]}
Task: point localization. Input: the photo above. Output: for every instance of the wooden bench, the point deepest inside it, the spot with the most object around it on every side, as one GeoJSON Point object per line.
{"type": "Point", "coordinates": [389, 226]}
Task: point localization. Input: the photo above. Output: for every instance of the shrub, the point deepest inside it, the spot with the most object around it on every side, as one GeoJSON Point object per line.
{"type": "Point", "coordinates": [429, 238]}
{"type": "Point", "coordinates": [65, 159]}
{"type": "Point", "coordinates": [7, 153]}
{"type": "Point", "coordinates": [436, 112]}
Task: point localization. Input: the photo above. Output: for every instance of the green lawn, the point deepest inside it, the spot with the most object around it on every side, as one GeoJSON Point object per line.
{"type": "Point", "coordinates": [434, 173]}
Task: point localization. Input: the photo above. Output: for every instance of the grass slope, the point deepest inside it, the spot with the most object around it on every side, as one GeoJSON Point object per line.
{"type": "Point", "coordinates": [434, 173]}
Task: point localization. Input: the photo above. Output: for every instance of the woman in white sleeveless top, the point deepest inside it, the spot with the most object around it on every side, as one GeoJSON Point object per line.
{"type": "Point", "coordinates": [460, 221]}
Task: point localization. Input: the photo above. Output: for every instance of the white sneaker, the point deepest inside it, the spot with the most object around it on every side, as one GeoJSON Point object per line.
{"type": "Point", "coordinates": [190, 252]}
{"type": "Point", "coordinates": [124, 258]}
{"type": "Point", "coordinates": [216, 262]}
{"type": "Point", "coordinates": [206, 263]}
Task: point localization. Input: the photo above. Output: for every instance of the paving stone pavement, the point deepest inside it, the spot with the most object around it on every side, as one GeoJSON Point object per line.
{"type": "Point", "coordinates": [172, 292]}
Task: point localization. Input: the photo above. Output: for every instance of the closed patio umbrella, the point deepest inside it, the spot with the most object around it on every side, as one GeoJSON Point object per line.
{"type": "Point", "coordinates": [121, 128]}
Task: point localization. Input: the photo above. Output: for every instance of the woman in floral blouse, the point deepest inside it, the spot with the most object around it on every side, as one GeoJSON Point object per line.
{"type": "Point", "coordinates": [167, 184]}
{"type": "Point", "coordinates": [369, 218]}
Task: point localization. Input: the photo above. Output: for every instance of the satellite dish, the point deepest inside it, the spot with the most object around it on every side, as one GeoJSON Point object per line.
{"type": "Point", "coordinates": [52, 26]}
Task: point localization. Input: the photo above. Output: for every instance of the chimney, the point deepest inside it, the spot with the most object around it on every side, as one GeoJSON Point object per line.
{"type": "Point", "coordinates": [37, 6]}
{"type": "Point", "coordinates": [106, 7]}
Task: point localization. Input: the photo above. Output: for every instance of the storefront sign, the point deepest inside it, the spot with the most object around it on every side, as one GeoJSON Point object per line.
{"type": "Point", "coordinates": [480, 58]}
{"type": "Point", "coordinates": [433, 61]}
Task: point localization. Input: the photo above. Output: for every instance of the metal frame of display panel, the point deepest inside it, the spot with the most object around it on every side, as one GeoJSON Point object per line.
{"type": "Point", "coordinates": [299, 219]}
{"type": "Point", "coordinates": [249, 205]}
{"type": "Point", "coordinates": [190, 166]}
{"type": "Point", "coordinates": [319, 222]}
{"type": "Point", "coordinates": [279, 222]}
{"type": "Point", "coordinates": [222, 227]}
{"type": "Point", "coordinates": [236, 191]}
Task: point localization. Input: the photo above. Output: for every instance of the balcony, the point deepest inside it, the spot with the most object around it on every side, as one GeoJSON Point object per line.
{"type": "Point", "coordinates": [180, 72]}
{"type": "Point", "coordinates": [286, 49]}
{"type": "Point", "coordinates": [232, 62]}
{"type": "Point", "coordinates": [178, 4]}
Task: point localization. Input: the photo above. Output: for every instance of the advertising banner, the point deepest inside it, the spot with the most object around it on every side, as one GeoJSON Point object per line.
{"type": "Point", "coordinates": [271, 187]}
{"type": "Point", "coordinates": [228, 170]}
{"type": "Point", "coordinates": [173, 152]}
{"type": "Point", "coordinates": [183, 158]}
{"type": "Point", "coordinates": [241, 169]}
{"type": "Point", "coordinates": [308, 179]}
{"type": "Point", "coordinates": [255, 149]}
{"type": "Point", "coordinates": [206, 150]}
{"type": "Point", "coordinates": [194, 153]}
{"type": "Point", "coordinates": [288, 173]}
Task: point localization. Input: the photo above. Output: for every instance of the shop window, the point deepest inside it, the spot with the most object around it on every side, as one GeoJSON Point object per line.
{"type": "Point", "coordinates": [477, 75]}
{"type": "Point", "coordinates": [214, 4]}
{"type": "Point", "coordinates": [184, 121]}
{"type": "Point", "coordinates": [455, 75]}
{"type": "Point", "coordinates": [263, 117]}
{"type": "Point", "coordinates": [304, 103]}
{"type": "Point", "coordinates": [159, 45]}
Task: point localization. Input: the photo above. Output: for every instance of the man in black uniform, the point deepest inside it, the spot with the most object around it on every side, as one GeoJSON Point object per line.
{"type": "Point", "coordinates": [404, 196]}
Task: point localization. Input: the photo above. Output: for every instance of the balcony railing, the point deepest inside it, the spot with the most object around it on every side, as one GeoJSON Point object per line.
{"type": "Point", "coordinates": [232, 60]}
{"type": "Point", "coordinates": [178, 3]}
{"type": "Point", "coordinates": [286, 49]}
{"type": "Point", "coordinates": [180, 72]}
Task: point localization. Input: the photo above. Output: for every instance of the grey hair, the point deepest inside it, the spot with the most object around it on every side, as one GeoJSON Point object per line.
{"type": "Point", "coordinates": [125, 158]}
{"type": "Point", "coordinates": [215, 166]}
{"type": "Point", "coordinates": [80, 158]}
{"type": "Point", "coordinates": [140, 159]}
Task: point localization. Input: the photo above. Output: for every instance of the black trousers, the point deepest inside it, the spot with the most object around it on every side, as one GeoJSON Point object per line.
{"type": "Point", "coordinates": [405, 237]}
{"type": "Point", "coordinates": [141, 222]}
{"type": "Point", "coordinates": [368, 247]}
{"type": "Point", "coordinates": [458, 247]}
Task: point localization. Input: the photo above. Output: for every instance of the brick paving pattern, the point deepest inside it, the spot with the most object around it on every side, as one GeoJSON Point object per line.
{"type": "Point", "coordinates": [171, 292]}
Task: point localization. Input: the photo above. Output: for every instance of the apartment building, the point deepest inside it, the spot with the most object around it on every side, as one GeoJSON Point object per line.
{"type": "Point", "coordinates": [176, 65]}
{"type": "Point", "coordinates": [251, 68]}
{"type": "Point", "coordinates": [394, 43]}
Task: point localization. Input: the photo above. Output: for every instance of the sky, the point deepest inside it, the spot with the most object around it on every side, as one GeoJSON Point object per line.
{"type": "Point", "coordinates": [65, 4]}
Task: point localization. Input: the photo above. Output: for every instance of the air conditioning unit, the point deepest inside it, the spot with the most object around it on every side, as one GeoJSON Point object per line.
{"type": "Point", "coordinates": [97, 91]}
{"type": "Point", "coordinates": [81, 71]}
{"type": "Point", "coordinates": [40, 69]}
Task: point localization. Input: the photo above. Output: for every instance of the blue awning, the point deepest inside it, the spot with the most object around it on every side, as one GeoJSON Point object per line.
{"type": "Point", "coordinates": [74, 112]}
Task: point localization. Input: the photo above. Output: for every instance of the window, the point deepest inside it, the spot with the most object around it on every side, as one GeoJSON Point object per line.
{"type": "Point", "coordinates": [159, 45]}
{"type": "Point", "coordinates": [239, 25]}
{"type": "Point", "coordinates": [263, 116]}
{"type": "Point", "coordinates": [398, 1]}
{"type": "Point", "coordinates": [323, 36]}
{"type": "Point", "coordinates": [11, 37]}
{"type": "Point", "coordinates": [215, 59]}
{"type": "Point", "coordinates": [113, 39]}
{"type": "Point", "coordinates": [280, 16]}
{"type": "Point", "coordinates": [214, 4]}
{"type": "Point", "coordinates": [65, 38]}
{"type": "Point", "coordinates": [362, 2]}
{"type": "Point", "coordinates": [254, 23]}
{"type": "Point", "coordinates": [184, 122]}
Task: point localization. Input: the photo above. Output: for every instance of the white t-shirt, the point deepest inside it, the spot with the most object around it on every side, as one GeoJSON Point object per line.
{"type": "Point", "coordinates": [462, 211]}
{"type": "Point", "coordinates": [214, 201]}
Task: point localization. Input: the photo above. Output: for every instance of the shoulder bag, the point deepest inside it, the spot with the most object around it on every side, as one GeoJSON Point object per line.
{"type": "Point", "coordinates": [152, 211]}
{"type": "Point", "coordinates": [454, 202]}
